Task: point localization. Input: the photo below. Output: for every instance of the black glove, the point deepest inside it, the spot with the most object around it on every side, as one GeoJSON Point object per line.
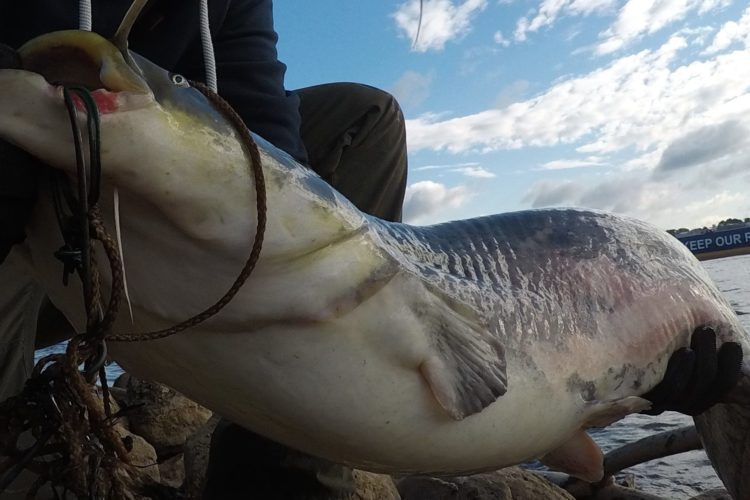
{"type": "Point", "coordinates": [18, 191]}
{"type": "Point", "coordinates": [697, 377]}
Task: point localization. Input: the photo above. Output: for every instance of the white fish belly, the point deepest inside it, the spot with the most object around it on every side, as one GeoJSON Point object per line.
{"type": "Point", "coordinates": [351, 390]}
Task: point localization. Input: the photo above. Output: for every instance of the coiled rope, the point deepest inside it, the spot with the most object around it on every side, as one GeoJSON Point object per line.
{"type": "Point", "coordinates": [77, 447]}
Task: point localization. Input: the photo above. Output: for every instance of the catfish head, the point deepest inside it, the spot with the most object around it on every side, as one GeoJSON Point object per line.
{"type": "Point", "coordinates": [179, 168]}
{"type": "Point", "coordinates": [152, 121]}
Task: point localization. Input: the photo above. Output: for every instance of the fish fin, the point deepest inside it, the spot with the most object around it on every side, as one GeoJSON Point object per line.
{"type": "Point", "coordinates": [466, 368]}
{"type": "Point", "coordinates": [579, 456]}
{"type": "Point", "coordinates": [604, 413]}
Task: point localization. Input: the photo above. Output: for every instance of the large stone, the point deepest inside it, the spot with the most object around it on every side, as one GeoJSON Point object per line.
{"type": "Point", "coordinates": [163, 416]}
{"type": "Point", "coordinates": [172, 471]}
{"type": "Point", "coordinates": [369, 486]}
{"type": "Point", "coordinates": [507, 484]}
{"type": "Point", "coordinates": [141, 455]}
{"type": "Point", "coordinates": [195, 459]}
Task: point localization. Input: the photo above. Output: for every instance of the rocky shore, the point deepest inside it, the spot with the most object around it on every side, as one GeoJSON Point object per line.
{"type": "Point", "coordinates": [170, 436]}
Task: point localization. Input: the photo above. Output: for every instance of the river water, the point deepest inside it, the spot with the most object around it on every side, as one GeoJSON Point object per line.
{"type": "Point", "coordinates": [680, 476]}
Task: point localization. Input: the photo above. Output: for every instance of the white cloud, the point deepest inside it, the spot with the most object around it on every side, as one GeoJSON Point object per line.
{"type": "Point", "coordinates": [550, 10]}
{"type": "Point", "coordinates": [500, 39]}
{"type": "Point", "coordinates": [568, 164]}
{"type": "Point", "coordinates": [732, 32]}
{"type": "Point", "coordinates": [476, 172]}
{"type": "Point", "coordinates": [442, 21]}
{"type": "Point", "coordinates": [426, 199]}
{"type": "Point", "coordinates": [642, 102]}
{"type": "Point", "coordinates": [640, 17]}
{"type": "Point", "coordinates": [511, 93]}
{"type": "Point", "coordinates": [703, 145]}
{"type": "Point", "coordinates": [663, 204]}
{"type": "Point", "coordinates": [451, 166]}
{"type": "Point", "coordinates": [412, 88]}
{"type": "Point", "coordinates": [470, 169]}
{"type": "Point", "coordinates": [635, 18]}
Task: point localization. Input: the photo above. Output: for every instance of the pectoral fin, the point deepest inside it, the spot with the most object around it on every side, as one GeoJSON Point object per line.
{"type": "Point", "coordinates": [604, 413]}
{"type": "Point", "coordinates": [579, 456]}
{"type": "Point", "coordinates": [466, 368]}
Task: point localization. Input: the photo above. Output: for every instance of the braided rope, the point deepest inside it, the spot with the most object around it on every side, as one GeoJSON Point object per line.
{"type": "Point", "coordinates": [260, 190]}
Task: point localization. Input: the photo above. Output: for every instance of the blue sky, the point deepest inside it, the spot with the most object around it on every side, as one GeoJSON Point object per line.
{"type": "Point", "coordinates": [640, 107]}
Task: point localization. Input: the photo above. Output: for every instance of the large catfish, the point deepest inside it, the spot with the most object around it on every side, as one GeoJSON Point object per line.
{"type": "Point", "coordinates": [452, 348]}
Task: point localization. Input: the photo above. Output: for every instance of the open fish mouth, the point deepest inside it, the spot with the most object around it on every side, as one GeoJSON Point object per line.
{"type": "Point", "coordinates": [85, 59]}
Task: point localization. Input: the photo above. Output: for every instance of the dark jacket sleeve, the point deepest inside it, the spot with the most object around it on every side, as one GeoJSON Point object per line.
{"type": "Point", "coordinates": [251, 78]}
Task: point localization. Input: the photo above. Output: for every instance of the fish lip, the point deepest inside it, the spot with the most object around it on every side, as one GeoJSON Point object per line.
{"type": "Point", "coordinates": [85, 59]}
{"type": "Point", "coordinates": [107, 102]}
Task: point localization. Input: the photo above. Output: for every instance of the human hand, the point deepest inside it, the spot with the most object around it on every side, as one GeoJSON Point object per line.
{"type": "Point", "coordinates": [697, 377]}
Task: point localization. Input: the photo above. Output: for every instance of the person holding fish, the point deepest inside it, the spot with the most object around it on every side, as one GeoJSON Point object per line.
{"type": "Point", "coordinates": [352, 135]}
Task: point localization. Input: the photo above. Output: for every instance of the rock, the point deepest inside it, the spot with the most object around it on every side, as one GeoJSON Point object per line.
{"type": "Point", "coordinates": [172, 471]}
{"type": "Point", "coordinates": [506, 484]}
{"type": "Point", "coordinates": [122, 381]}
{"type": "Point", "coordinates": [717, 494]}
{"type": "Point", "coordinates": [114, 405]}
{"type": "Point", "coordinates": [196, 459]}
{"type": "Point", "coordinates": [142, 455]}
{"type": "Point", "coordinates": [164, 417]}
{"type": "Point", "coordinates": [369, 486]}
{"type": "Point", "coordinates": [425, 487]}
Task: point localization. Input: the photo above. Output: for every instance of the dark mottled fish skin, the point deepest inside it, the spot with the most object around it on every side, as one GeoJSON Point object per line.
{"type": "Point", "coordinates": [553, 258]}
{"type": "Point", "coordinates": [492, 261]}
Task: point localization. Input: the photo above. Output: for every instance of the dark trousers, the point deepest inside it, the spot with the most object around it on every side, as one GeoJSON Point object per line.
{"type": "Point", "coordinates": [355, 139]}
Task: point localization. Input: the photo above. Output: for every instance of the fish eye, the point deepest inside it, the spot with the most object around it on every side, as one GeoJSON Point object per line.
{"type": "Point", "coordinates": [179, 80]}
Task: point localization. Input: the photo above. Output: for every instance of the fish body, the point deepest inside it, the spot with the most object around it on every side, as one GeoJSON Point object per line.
{"type": "Point", "coordinates": [446, 349]}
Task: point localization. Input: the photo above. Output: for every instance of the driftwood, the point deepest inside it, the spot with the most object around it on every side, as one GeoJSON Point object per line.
{"type": "Point", "coordinates": [659, 445]}
{"type": "Point", "coordinates": [663, 444]}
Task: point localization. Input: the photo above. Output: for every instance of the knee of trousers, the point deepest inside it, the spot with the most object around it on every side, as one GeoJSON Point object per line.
{"type": "Point", "coordinates": [364, 96]}
{"type": "Point", "coordinates": [389, 106]}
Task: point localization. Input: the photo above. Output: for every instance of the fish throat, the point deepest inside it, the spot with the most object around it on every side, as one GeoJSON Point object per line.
{"type": "Point", "coordinates": [58, 376]}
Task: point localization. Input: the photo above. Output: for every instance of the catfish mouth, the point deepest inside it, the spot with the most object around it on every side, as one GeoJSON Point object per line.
{"type": "Point", "coordinates": [86, 59]}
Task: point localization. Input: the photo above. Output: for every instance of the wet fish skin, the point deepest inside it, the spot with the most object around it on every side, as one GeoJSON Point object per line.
{"type": "Point", "coordinates": [453, 348]}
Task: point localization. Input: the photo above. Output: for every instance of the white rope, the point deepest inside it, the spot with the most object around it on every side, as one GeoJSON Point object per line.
{"type": "Point", "coordinates": [84, 15]}
{"type": "Point", "coordinates": [118, 231]}
{"type": "Point", "coordinates": [209, 60]}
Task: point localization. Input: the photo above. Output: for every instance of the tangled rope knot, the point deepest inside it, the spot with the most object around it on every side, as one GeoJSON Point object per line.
{"type": "Point", "coordinates": [76, 445]}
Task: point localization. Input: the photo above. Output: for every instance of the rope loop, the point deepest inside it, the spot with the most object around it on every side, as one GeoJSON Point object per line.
{"type": "Point", "coordinates": [76, 447]}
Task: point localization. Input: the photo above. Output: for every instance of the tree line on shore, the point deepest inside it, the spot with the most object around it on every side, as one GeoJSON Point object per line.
{"type": "Point", "coordinates": [725, 222]}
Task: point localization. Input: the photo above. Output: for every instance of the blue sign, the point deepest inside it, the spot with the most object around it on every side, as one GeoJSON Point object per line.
{"type": "Point", "coordinates": [717, 241]}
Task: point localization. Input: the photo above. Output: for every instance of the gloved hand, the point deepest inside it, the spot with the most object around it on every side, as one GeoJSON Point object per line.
{"type": "Point", "coordinates": [18, 191]}
{"type": "Point", "coordinates": [697, 377]}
